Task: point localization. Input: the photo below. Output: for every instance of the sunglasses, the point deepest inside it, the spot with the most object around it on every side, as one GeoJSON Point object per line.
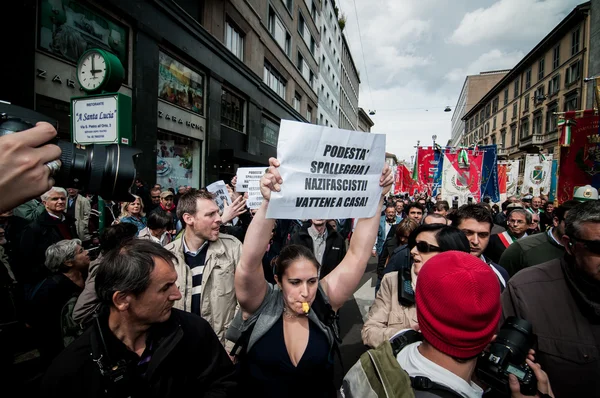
{"type": "Point", "coordinates": [425, 247]}
{"type": "Point", "coordinates": [591, 245]}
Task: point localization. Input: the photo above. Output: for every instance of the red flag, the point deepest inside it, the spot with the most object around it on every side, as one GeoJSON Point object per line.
{"type": "Point", "coordinates": [579, 162]}
{"type": "Point", "coordinates": [502, 179]}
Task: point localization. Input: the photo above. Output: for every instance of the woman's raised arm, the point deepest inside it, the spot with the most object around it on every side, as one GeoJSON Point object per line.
{"type": "Point", "coordinates": [340, 283]}
{"type": "Point", "coordinates": [250, 283]}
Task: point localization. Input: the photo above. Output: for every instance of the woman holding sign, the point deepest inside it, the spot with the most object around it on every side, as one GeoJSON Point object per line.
{"type": "Point", "coordinates": [287, 334]}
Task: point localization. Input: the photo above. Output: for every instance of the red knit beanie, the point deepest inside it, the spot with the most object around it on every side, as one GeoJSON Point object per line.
{"type": "Point", "coordinates": [458, 303]}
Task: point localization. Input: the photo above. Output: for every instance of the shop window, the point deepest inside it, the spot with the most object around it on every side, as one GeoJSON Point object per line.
{"type": "Point", "coordinates": [178, 161]}
{"type": "Point", "coordinates": [232, 110]}
{"type": "Point", "coordinates": [179, 85]}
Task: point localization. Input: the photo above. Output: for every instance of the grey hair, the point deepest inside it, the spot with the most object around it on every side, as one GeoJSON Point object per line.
{"type": "Point", "coordinates": [582, 213]}
{"type": "Point", "coordinates": [524, 212]}
{"type": "Point", "coordinates": [59, 253]}
{"type": "Point", "coordinates": [45, 195]}
{"type": "Point", "coordinates": [127, 268]}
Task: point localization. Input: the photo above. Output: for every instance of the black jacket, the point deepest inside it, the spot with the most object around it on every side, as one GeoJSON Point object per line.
{"type": "Point", "coordinates": [335, 247]}
{"type": "Point", "coordinates": [187, 360]}
{"type": "Point", "coordinates": [36, 238]}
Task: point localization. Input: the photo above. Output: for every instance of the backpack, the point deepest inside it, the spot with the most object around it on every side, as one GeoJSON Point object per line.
{"type": "Point", "coordinates": [422, 386]}
{"type": "Point", "coordinates": [378, 374]}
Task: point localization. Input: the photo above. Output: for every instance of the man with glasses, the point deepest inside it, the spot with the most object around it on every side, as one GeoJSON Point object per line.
{"type": "Point", "coordinates": [561, 300]}
{"type": "Point", "coordinates": [518, 223]}
{"type": "Point", "coordinates": [538, 248]}
{"type": "Point", "coordinates": [476, 222]}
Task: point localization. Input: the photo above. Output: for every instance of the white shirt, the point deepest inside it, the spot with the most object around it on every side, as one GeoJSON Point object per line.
{"type": "Point", "coordinates": [415, 364]}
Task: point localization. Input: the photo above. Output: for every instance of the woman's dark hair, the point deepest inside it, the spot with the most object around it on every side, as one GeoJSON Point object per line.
{"type": "Point", "coordinates": [406, 227]}
{"type": "Point", "coordinates": [291, 253]}
{"type": "Point", "coordinates": [448, 237]}
{"type": "Point", "coordinates": [159, 220]}
{"type": "Point", "coordinates": [114, 235]}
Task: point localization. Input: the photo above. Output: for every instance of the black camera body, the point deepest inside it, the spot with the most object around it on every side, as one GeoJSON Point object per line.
{"type": "Point", "coordinates": [105, 170]}
{"type": "Point", "coordinates": [507, 355]}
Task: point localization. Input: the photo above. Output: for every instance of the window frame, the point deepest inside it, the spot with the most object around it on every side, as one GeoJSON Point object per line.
{"type": "Point", "coordinates": [228, 121]}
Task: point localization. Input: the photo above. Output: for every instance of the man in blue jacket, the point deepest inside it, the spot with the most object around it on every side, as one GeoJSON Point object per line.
{"type": "Point", "coordinates": [386, 228]}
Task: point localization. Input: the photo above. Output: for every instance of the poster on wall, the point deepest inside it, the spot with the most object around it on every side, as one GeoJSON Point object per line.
{"type": "Point", "coordinates": [180, 85]}
{"type": "Point", "coordinates": [67, 28]}
{"type": "Point", "coordinates": [174, 164]}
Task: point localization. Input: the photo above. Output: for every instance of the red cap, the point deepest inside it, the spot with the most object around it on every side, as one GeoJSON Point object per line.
{"type": "Point", "coordinates": [458, 303]}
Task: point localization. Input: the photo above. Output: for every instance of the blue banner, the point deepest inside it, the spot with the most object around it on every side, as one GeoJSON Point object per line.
{"type": "Point", "coordinates": [553, 181]}
{"type": "Point", "coordinates": [437, 175]}
{"type": "Point", "coordinates": [489, 173]}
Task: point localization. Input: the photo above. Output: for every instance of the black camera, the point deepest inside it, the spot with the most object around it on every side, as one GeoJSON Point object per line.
{"type": "Point", "coordinates": [104, 170]}
{"type": "Point", "coordinates": [507, 355]}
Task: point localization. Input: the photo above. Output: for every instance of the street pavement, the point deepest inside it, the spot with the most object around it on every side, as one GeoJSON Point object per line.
{"type": "Point", "coordinates": [352, 317]}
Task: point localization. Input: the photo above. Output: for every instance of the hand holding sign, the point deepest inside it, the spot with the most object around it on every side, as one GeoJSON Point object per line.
{"type": "Point", "coordinates": [271, 180]}
{"type": "Point", "coordinates": [386, 180]}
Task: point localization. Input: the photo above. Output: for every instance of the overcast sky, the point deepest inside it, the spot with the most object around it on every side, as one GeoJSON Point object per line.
{"type": "Point", "coordinates": [418, 53]}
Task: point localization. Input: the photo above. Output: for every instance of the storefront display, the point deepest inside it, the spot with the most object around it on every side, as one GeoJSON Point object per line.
{"type": "Point", "coordinates": [178, 161]}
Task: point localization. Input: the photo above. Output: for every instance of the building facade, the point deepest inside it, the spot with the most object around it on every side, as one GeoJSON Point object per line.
{"type": "Point", "coordinates": [330, 65]}
{"type": "Point", "coordinates": [364, 121]}
{"type": "Point", "coordinates": [349, 89]}
{"type": "Point", "coordinates": [519, 113]}
{"type": "Point", "coordinates": [474, 88]}
{"type": "Point", "coordinates": [210, 80]}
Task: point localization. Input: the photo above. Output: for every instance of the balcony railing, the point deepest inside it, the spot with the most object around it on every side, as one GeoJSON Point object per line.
{"type": "Point", "coordinates": [534, 139]}
{"type": "Point", "coordinates": [513, 149]}
{"type": "Point", "coordinates": [502, 152]}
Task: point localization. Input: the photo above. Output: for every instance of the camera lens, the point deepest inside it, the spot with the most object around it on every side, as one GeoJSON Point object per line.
{"type": "Point", "coordinates": [104, 170]}
{"type": "Point", "coordinates": [517, 335]}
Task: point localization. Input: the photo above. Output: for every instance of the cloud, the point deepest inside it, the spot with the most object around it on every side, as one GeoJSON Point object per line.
{"type": "Point", "coordinates": [492, 60]}
{"type": "Point", "coordinates": [510, 20]}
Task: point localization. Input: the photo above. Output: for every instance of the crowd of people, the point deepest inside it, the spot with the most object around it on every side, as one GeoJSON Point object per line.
{"type": "Point", "coordinates": [177, 296]}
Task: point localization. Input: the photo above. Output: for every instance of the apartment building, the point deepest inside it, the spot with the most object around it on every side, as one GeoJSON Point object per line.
{"type": "Point", "coordinates": [519, 113]}
{"type": "Point", "coordinates": [474, 88]}
{"type": "Point", "coordinates": [330, 65]}
{"type": "Point", "coordinates": [349, 89]}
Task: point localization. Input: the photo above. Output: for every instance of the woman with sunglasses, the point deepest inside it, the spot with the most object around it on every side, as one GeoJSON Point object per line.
{"type": "Point", "coordinates": [392, 310]}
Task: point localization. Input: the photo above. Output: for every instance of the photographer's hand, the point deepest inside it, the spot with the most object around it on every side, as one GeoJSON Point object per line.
{"type": "Point", "coordinates": [543, 384]}
{"type": "Point", "coordinates": [23, 172]}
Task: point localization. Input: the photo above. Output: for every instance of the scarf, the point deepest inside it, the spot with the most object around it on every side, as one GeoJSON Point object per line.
{"type": "Point", "coordinates": [585, 289]}
{"type": "Point", "coordinates": [171, 209]}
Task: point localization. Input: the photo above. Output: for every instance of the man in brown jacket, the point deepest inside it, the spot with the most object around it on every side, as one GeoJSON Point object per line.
{"type": "Point", "coordinates": [561, 298]}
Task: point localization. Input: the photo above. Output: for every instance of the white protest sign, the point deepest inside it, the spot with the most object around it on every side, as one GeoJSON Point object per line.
{"type": "Point", "coordinates": [327, 173]}
{"type": "Point", "coordinates": [254, 196]}
{"type": "Point", "coordinates": [221, 194]}
{"type": "Point", "coordinates": [246, 174]}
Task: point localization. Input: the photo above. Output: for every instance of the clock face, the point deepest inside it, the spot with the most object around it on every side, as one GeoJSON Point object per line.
{"type": "Point", "coordinates": [91, 71]}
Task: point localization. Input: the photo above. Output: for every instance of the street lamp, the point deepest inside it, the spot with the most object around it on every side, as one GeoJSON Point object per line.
{"type": "Point", "coordinates": [434, 137]}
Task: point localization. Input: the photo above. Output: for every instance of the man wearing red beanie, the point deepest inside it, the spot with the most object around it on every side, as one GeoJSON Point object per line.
{"type": "Point", "coordinates": [458, 310]}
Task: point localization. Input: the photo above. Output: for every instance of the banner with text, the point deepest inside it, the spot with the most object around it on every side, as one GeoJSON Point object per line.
{"type": "Point", "coordinates": [437, 174]}
{"type": "Point", "coordinates": [327, 173]}
{"type": "Point", "coordinates": [536, 178]}
{"type": "Point", "coordinates": [426, 168]}
{"type": "Point", "coordinates": [247, 174]}
{"type": "Point", "coordinates": [219, 189]}
{"type": "Point", "coordinates": [254, 196]}
{"type": "Point", "coordinates": [461, 180]}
